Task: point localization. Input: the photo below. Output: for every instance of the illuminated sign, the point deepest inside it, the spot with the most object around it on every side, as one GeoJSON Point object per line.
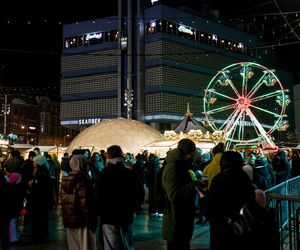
{"type": "Point", "coordinates": [123, 42]}
{"type": "Point", "coordinates": [93, 36]}
{"type": "Point", "coordinates": [89, 121]}
{"type": "Point", "coordinates": [153, 24]}
{"type": "Point", "coordinates": [184, 29]}
{"type": "Point", "coordinates": [154, 1]}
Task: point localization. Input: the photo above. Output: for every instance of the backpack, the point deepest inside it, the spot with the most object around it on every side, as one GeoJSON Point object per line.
{"type": "Point", "coordinates": [159, 194]}
{"type": "Point", "coordinates": [249, 220]}
{"type": "Point", "coordinates": [258, 224]}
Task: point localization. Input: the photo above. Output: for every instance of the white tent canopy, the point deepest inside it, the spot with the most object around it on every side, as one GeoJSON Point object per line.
{"type": "Point", "coordinates": [44, 148]}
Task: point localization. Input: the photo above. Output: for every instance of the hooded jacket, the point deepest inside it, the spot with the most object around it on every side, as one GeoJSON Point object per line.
{"type": "Point", "coordinates": [282, 167]}
{"type": "Point", "coordinates": [213, 168]}
{"type": "Point", "coordinates": [77, 202]}
{"type": "Point", "coordinates": [178, 221]}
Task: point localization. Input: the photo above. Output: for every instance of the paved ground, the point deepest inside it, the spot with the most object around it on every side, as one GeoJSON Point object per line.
{"type": "Point", "coordinates": [147, 235]}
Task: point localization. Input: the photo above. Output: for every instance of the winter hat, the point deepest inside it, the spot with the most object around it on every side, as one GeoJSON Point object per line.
{"type": "Point", "coordinates": [78, 163]}
{"type": "Point", "coordinates": [186, 146]}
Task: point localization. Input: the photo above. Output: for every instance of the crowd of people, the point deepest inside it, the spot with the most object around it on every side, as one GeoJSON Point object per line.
{"type": "Point", "coordinates": [100, 193]}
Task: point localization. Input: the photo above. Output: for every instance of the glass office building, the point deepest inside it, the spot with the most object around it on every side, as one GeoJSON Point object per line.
{"type": "Point", "coordinates": [148, 65]}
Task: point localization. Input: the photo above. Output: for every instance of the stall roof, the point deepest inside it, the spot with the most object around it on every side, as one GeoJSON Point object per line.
{"type": "Point", "coordinates": [47, 148]}
{"type": "Point", "coordinates": [21, 146]}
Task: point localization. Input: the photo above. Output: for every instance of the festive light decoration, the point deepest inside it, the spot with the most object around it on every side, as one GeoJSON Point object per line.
{"type": "Point", "coordinates": [196, 135]}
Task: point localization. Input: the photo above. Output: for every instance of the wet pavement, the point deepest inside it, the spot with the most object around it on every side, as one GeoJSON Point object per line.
{"type": "Point", "coordinates": [147, 234]}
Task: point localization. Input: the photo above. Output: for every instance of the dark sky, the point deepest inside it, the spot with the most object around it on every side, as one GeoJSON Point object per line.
{"type": "Point", "coordinates": [31, 40]}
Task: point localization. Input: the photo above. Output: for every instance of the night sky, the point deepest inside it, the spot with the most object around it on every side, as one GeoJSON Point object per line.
{"type": "Point", "coordinates": [31, 40]}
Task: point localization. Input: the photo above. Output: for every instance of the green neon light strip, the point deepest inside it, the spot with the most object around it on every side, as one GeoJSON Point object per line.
{"type": "Point", "coordinates": [267, 111]}
{"type": "Point", "coordinates": [217, 110]}
{"type": "Point", "coordinates": [256, 86]}
{"type": "Point", "coordinates": [269, 95]}
{"type": "Point", "coordinates": [217, 93]}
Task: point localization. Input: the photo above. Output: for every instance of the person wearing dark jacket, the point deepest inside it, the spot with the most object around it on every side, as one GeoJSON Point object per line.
{"type": "Point", "coordinates": [295, 164]}
{"type": "Point", "coordinates": [282, 167]}
{"type": "Point", "coordinates": [229, 191]}
{"type": "Point", "coordinates": [180, 190]}
{"type": "Point", "coordinates": [263, 175]}
{"type": "Point", "coordinates": [79, 215]}
{"type": "Point", "coordinates": [121, 193]}
{"type": "Point", "coordinates": [39, 187]}
{"type": "Point", "coordinates": [5, 212]}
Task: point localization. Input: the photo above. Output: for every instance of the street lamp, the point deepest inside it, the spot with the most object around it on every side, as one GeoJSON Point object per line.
{"type": "Point", "coordinates": [25, 128]}
{"type": "Point", "coordinates": [66, 136]}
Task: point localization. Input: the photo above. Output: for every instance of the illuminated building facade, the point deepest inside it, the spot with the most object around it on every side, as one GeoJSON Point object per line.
{"type": "Point", "coordinates": [147, 65]}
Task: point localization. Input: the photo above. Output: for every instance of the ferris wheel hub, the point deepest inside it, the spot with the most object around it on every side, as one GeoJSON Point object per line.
{"type": "Point", "coordinates": [243, 102]}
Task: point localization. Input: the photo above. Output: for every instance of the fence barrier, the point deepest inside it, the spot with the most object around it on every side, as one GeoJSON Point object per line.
{"type": "Point", "coordinates": [285, 198]}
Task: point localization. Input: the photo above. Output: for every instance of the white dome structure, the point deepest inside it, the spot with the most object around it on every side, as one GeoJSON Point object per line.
{"type": "Point", "coordinates": [130, 135]}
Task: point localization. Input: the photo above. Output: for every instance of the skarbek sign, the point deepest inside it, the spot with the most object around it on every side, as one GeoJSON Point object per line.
{"type": "Point", "coordinates": [89, 121]}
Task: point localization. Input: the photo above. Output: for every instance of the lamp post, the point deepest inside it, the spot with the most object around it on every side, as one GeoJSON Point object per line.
{"type": "Point", "coordinates": [5, 111]}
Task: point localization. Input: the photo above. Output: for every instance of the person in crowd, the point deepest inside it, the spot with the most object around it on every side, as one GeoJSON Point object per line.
{"type": "Point", "coordinates": [260, 196]}
{"type": "Point", "coordinates": [78, 211]}
{"type": "Point", "coordinates": [282, 167]}
{"type": "Point", "coordinates": [17, 196]}
{"type": "Point", "coordinates": [57, 177]}
{"type": "Point", "coordinates": [39, 187]}
{"type": "Point", "coordinates": [37, 151]}
{"type": "Point", "coordinates": [64, 165]}
{"type": "Point", "coordinates": [13, 176]}
{"type": "Point", "coordinates": [27, 168]}
{"type": "Point", "coordinates": [295, 162]}
{"type": "Point", "coordinates": [197, 160]}
{"type": "Point", "coordinates": [138, 167]}
{"type": "Point", "coordinates": [5, 211]}
{"type": "Point", "coordinates": [151, 170]}
{"type": "Point", "coordinates": [263, 175]}
{"type": "Point", "coordinates": [27, 175]}
{"type": "Point", "coordinates": [206, 159]}
{"type": "Point", "coordinates": [14, 162]}
{"type": "Point", "coordinates": [213, 168]}
{"type": "Point", "coordinates": [103, 156]}
{"type": "Point", "coordinates": [120, 195]}
{"type": "Point", "coordinates": [180, 190]}
{"type": "Point", "coordinates": [87, 154]}
{"type": "Point", "coordinates": [228, 191]}
{"type": "Point", "coordinates": [129, 160]}
{"type": "Point", "coordinates": [52, 172]}
{"type": "Point", "coordinates": [96, 165]}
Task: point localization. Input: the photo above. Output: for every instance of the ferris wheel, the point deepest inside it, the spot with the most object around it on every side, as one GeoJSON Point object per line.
{"type": "Point", "coordinates": [247, 102]}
